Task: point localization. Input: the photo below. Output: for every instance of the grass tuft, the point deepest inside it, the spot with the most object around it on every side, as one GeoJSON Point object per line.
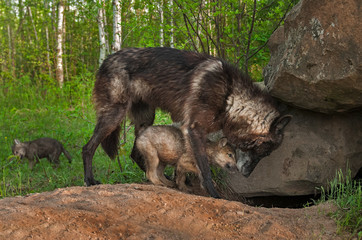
{"type": "Point", "coordinates": [346, 194]}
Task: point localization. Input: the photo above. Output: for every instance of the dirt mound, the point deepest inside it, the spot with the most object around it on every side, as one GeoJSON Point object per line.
{"type": "Point", "coordinates": [135, 211]}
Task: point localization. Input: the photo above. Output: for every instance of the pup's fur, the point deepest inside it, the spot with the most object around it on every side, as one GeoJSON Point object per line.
{"type": "Point", "coordinates": [40, 148]}
{"type": "Point", "coordinates": [204, 93]}
{"type": "Point", "coordinates": [165, 145]}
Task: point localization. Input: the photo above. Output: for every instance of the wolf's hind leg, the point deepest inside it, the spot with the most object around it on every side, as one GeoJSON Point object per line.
{"type": "Point", "coordinates": [109, 119]}
{"type": "Point", "coordinates": [54, 158]}
{"type": "Point", "coordinates": [142, 115]}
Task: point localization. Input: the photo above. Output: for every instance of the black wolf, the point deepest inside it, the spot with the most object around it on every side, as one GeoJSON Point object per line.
{"type": "Point", "coordinates": [165, 145]}
{"type": "Point", "coordinates": [40, 148]}
{"type": "Point", "coordinates": [204, 93]}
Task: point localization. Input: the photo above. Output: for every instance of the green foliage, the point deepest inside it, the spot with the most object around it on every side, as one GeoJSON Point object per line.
{"type": "Point", "coordinates": [34, 106]}
{"type": "Point", "coordinates": [347, 195]}
{"type": "Point", "coordinates": [31, 111]}
{"type": "Point", "coordinates": [222, 28]}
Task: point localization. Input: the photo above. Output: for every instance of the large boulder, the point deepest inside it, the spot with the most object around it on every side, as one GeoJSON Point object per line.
{"type": "Point", "coordinates": [314, 148]}
{"type": "Point", "coordinates": [315, 58]}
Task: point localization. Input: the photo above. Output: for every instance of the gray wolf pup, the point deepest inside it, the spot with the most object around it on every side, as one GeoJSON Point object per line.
{"type": "Point", "coordinates": [40, 148]}
{"type": "Point", "coordinates": [165, 145]}
{"type": "Point", "coordinates": [204, 93]}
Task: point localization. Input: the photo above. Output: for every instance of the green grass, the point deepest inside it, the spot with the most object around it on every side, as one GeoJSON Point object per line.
{"type": "Point", "coordinates": [30, 111]}
{"type": "Point", "coordinates": [347, 195]}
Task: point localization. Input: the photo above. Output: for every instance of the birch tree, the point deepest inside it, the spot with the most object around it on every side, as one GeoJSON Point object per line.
{"type": "Point", "coordinates": [102, 33]}
{"type": "Point", "coordinates": [47, 42]}
{"type": "Point", "coordinates": [32, 33]}
{"type": "Point", "coordinates": [117, 26]}
{"type": "Point", "coordinates": [160, 6]}
{"type": "Point", "coordinates": [59, 57]}
{"type": "Point", "coordinates": [172, 41]}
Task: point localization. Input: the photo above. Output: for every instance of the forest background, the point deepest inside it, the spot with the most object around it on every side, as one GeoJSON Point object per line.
{"type": "Point", "coordinates": [51, 50]}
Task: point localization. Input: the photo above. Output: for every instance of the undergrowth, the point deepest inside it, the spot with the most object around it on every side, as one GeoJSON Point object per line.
{"type": "Point", "coordinates": [32, 110]}
{"type": "Point", "coordinates": [347, 195]}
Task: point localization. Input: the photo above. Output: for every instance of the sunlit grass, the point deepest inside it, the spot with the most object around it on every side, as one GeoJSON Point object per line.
{"type": "Point", "coordinates": [30, 112]}
{"type": "Point", "coordinates": [347, 195]}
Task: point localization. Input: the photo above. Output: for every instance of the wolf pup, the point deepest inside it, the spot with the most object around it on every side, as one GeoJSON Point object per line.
{"type": "Point", "coordinates": [206, 94]}
{"type": "Point", "coordinates": [165, 145]}
{"type": "Point", "coordinates": [40, 148]}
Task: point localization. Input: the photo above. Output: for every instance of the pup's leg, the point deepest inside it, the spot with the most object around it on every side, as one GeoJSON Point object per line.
{"type": "Point", "coordinates": [161, 175]}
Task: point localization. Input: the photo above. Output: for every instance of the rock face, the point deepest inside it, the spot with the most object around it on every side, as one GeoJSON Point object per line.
{"type": "Point", "coordinates": [148, 212]}
{"type": "Point", "coordinates": [315, 65]}
{"type": "Point", "coordinates": [316, 57]}
{"type": "Point", "coordinates": [315, 146]}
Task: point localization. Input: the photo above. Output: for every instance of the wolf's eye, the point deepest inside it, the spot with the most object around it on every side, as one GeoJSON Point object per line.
{"type": "Point", "coordinates": [230, 155]}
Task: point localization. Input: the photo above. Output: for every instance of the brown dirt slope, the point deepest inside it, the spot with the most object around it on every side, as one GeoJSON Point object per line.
{"type": "Point", "coordinates": [135, 211]}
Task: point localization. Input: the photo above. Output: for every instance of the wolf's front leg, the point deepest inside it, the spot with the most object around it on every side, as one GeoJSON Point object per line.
{"type": "Point", "coordinates": [32, 163]}
{"type": "Point", "coordinates": [197, 143]}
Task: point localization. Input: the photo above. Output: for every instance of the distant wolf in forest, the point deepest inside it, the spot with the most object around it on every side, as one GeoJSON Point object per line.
{"type": "Point", "coordinates": [204, 93]}
{"type": "Point", "coordinates": [164, 145]}
{"type": "Point", "coordinates": [40, 148]}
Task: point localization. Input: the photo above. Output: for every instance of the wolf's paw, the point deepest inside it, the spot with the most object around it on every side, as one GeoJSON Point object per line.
{"type": "Point", "coordinates": [91, 181]}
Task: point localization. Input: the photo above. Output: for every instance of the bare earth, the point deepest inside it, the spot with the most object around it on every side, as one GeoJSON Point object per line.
{"type": "Point", "coordinates": [140, 211]}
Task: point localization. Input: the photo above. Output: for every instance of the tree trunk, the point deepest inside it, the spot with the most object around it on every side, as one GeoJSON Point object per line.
{"type": "Point", "coordinates": [65, 65]}
{"type": "Point", "coordinates": [47, 43]}
{"type": "Point", "coordinates": [48, 52]}
{"type": "Point", "coordinates": [162, 23]}
{"type": "Point", "coordinates": [102, 34]}
{"type": "Point", "coordinates": [60, 31]}
{"type": "Point", "coordinates": [246, 62]}
{"type": "Point", "coordinates": [32, 22]}
{"type": "Point", "coordinates": [117, 27]}
{"type": "Point", "coordinates": [11, 66]}
{"type": "Point", "coordinates": [172, 41]}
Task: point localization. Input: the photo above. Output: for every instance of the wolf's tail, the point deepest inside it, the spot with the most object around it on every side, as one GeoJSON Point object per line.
{"type": "Point", "coordinates": [67, 155]}
{"type": "Point", "coordinates": [111, 142]}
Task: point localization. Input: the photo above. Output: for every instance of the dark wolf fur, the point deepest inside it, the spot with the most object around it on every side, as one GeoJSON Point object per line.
{"type": "Point", "coordinates": [40, 148]}
{"type": "Point", "coordinates": [165, 145]}
{"type": "Point", "coordinates": [204, 93]}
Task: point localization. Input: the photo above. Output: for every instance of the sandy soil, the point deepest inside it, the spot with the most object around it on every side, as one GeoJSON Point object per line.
{"type": "Point", "coordinates": [140, 211]}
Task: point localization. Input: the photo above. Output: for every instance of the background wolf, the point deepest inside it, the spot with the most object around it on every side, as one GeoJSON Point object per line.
{"type": "Point", "coordinates": [40, 148]}
{"type": "Point", "coordinates": [204, 93]}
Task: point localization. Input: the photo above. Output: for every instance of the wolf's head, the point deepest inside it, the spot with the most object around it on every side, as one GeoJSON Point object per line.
{"type": "Point", "coordinates": [19, 149]}
{"type": "Point", "coordinates": [251, 152]}
{"type": "Point", "coordinates": [254, 126]}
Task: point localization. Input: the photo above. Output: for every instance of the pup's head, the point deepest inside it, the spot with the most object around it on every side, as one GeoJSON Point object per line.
{"type": "Point", "coordinates": [19, 149]}
{"type": "Point", "coordinates": [224, 155]}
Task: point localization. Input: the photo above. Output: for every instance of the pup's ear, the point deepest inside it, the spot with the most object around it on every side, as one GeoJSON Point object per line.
{"type": "Point", "coordinates": [16, 141]}
{"type": "Point", "coordinates": [223, 141]}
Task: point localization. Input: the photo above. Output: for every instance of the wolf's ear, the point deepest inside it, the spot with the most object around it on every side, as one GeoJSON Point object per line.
{"type": "Point", "coordinates": [16, 141]}
{"type": "Point", "coordinates": [280, 123]}
{"type": "Point", "coordinates": [223, 141]}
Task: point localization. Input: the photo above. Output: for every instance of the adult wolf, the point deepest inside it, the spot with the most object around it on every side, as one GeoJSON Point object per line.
{"type": "Point", "coordinates": [204, 93]}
